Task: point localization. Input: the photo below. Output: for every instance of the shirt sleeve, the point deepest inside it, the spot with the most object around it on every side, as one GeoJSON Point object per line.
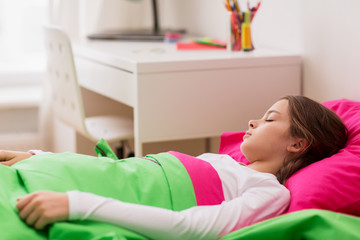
{"type": "Point", "coordinates": [37, 152]}
{"type": "Point", "coordinates": [268, 199]}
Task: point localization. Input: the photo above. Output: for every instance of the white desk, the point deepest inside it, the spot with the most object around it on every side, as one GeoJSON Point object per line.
{"type": "Point", "coordinates": [186, 94]}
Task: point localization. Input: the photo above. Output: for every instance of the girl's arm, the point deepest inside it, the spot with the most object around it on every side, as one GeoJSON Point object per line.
{"type": "Point", "coordinates": [267, 199]}
{"type": "Point", "coordinates": [201, 222]}
{"type": "Point", "coordinates": [11, 157]}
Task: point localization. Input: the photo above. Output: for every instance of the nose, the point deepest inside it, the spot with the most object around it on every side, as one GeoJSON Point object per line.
{"type": "Point", "coordinates": [252, 124]}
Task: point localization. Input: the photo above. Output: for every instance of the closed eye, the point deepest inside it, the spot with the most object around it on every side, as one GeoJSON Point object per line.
{"type": "Point", "coordinates": [269, 120]}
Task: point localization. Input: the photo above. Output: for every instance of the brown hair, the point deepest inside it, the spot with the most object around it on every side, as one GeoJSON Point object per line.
{"type": "Point", "coordinates": [322, 128]}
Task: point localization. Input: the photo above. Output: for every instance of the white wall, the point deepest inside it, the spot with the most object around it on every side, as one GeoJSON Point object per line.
{"type": "Point", "coordinates": [271, 26]}
{"type": "Point", "coordinates": [325, 32]}
{"type": "Point", "coordinates": [332, 49]}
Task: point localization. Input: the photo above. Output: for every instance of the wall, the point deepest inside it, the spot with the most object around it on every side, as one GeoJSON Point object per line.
{"type": "Point", "coordinates": [324, 32]}
{"type": "Point", "coordinates": [332, 49]}
{"type": "Point", "coordinates": [82, 17]}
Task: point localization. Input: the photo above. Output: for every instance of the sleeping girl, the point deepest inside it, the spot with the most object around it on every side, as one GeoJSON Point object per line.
{"type": "Point", "coordinates": [175, 196]}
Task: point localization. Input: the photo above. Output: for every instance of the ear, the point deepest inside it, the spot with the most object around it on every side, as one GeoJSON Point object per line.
{"type": "Point", "coordinates": [298, 145]}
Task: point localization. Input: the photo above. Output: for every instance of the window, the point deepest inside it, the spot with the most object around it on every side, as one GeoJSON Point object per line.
{"type": "Point", "coordinates": [21, 37]}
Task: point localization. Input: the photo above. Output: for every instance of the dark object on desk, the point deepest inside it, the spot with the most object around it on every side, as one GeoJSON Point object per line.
{"type": "Point", "coordinates": [155, 34]}
{"type": "Point", "coordinates": [138, 35]}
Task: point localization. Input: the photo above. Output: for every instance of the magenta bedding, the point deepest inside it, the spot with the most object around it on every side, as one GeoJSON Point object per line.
{"type": "Point", "coordinates": [330, 184]}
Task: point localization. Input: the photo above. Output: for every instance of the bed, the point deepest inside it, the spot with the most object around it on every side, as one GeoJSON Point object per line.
{"type": "Point", "coordinates": [325, 195]}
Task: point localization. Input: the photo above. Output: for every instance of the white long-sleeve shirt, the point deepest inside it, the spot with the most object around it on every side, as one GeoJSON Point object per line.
{"type": "Point", "coordinates": [250, 197]}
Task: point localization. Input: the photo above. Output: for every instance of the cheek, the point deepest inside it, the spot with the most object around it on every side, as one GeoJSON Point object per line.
{"type": "Point", "coordinates": [279, 140]}
{"type": "Point", "coordinates": [264, 147]}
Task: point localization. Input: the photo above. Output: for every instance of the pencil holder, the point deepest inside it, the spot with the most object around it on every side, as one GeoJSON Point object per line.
{"type": "Point", "coordinates": [246, 40]}
{"type": "Point", "coordinates": [239, 26]}
{"type": "Point", "coordinates": [234, 32]}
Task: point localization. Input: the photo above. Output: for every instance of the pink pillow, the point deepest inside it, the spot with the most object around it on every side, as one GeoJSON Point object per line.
{"type": "Point", "coordinates": [332, 183]}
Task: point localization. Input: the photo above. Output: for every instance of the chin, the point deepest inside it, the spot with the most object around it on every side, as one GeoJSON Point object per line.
{"type": "Point", "coordinates": [244, 152]}
{"type": "Point", "coordinates": [244, 147]}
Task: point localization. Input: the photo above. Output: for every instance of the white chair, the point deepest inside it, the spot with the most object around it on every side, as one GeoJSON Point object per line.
{"type": "Point", "coordinates": [67, 102]}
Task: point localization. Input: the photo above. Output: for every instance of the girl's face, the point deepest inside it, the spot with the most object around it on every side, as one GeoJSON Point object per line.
{"type": "Point", "coordinates": [268, 138]}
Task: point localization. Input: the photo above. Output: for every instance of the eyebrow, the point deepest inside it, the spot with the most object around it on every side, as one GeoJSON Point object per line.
{"type": "Point", "coordinates": [272, 111]}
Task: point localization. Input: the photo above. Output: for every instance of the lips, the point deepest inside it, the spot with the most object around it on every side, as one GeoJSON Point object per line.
{"type": "Point", "coordinates": [247, 134]}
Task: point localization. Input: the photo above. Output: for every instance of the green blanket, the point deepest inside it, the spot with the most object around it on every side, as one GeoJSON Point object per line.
{"type": "Point", "coordinates": [158, 180]}
{"type": "Point", "coordinates": [302, 225]}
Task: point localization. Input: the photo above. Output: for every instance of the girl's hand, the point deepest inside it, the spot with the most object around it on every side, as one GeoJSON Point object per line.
{"type": "Point", "coordinates": [42, 208]}
{"type": "Point", "coordinates": [11, 157]}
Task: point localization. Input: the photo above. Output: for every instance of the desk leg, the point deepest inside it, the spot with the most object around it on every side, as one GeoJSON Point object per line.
{"type": "Point", "coordinates": [207, 145]}
{"type": "Point", "coordinates": [138, 148]}
{"type": "Point", "coordinates": [138, 143]}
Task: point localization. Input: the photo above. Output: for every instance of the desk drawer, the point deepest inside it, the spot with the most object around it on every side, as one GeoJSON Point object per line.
{"type": "Point", "coordinates": [108, 81]}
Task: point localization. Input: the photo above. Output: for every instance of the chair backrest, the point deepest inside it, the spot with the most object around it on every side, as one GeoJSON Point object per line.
{"type": "Point", "coordinates": [67, 104]}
